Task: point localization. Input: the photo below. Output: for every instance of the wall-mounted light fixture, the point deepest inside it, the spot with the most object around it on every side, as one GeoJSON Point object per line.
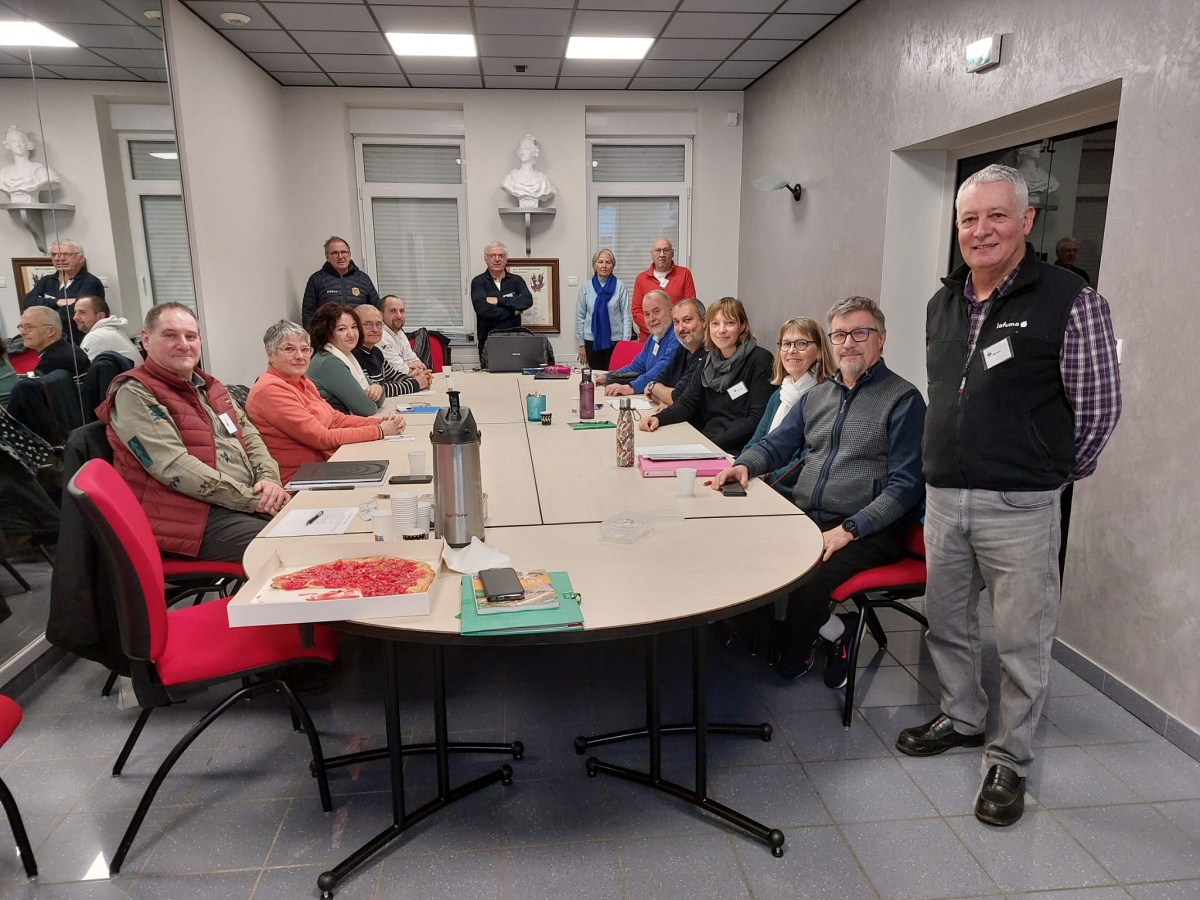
{"type": "Point", "coordinates": [776, 183]}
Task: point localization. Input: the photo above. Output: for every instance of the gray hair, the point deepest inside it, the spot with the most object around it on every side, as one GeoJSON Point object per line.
{"type": "Point", "coordinates": [663, 294]}
{"type": "Point", "coordinates": [75, 246]}
{"type": "Point", "coordinates": [494, 244]}
{"type": "Point", "coordinates": [47, 315]}
{"type": "Point", "coordinates": [854, 304]}
{"type": "Point", "coordinates": [992, 174]}
{"type": "Point", "coordinates": [281, 331]}
{"type": "Point", "coordinates": [611, 255]}
{"type": "Point", "coordinates": [691, 301]}
{"type": "Point", "coordinates": [1062, 242]}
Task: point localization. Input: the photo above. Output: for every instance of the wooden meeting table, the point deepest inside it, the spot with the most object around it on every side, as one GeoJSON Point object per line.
{"type": "Point", "coordinates": [547, 495]}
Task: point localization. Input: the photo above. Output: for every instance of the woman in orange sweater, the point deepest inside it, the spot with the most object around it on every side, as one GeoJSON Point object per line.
{"type": "Point", "coordinates": [296, 424]}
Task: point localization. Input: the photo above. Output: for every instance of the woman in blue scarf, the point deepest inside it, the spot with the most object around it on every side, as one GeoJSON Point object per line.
{"type": "Point", "coordinates": [603, 313]}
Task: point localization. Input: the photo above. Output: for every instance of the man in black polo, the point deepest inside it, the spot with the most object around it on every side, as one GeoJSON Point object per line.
{"type": "Point", "coordinates": [339, 279]}
{"type": "Point", "coordinates": [499, 296]}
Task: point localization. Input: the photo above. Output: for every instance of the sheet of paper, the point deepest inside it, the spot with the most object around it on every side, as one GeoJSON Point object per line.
{"type": "Point", "coordinates": [686, 451]}
{"type": "Point", "coordinates": [634, 402]}
{"type": "Point", "coordinates": [400, 437]}
{"type": "Point", "coordinates": [314, 521]}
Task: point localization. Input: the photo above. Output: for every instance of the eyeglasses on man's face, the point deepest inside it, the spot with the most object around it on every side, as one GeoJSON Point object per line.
{"type": "Point", "coordinates": [859, 335]}
{"type": "Point", "coordinates": [800, 345]}
{"type": "Point", "coordinates": [496, 255]}
{"type": "Point", "coordinates": [23, 327]}
{"type": "Point", "coordinates": [372, 326]}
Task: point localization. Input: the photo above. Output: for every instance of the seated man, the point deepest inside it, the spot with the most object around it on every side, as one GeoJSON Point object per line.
{"type": "Point", "coordinates": [394, 343]}
{"type": "Point", "coordinates": [376, 366]}
{"type": "Point", "coordinates": [688, 321]}
{"type": "Point", "coordinates": [193, 459]}
{"type": "Point", "coordinates": [102, 330]}
{"type": "Point", "coordinates": [656, 353]}
{"type": "Point", "coordinates": [41, 328]}
{"type": "Point", "coordinates": [861, 483]}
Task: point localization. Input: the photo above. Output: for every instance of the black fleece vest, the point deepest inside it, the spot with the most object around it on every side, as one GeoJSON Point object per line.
{"type": "Point", "coordinates": [1010, 427]}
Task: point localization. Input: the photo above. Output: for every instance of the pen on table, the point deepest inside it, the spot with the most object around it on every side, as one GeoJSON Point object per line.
{"type": "Point", "coordinates": [314, 518]}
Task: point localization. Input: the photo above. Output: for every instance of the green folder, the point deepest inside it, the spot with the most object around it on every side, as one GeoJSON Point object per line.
{"type": "Point", "coordinates": [567, 617]}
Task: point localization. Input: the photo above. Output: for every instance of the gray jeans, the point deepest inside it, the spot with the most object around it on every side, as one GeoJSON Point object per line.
{"type": "Point", "coordinates": [1007, 541]}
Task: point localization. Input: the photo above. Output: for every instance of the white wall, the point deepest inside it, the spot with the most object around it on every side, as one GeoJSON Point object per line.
{"type": "Point", "coordinates": [232, 144]}
{"type": "Point", "coordinates": [320, 158]}
{"type": "Point", "coordinates": [858, 116]}
{"type": "Point", "coordinates": [75, 117]}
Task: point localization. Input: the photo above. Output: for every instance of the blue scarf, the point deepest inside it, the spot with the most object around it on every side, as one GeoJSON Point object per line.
{"type": "Point", "coordinates": [601, 323]}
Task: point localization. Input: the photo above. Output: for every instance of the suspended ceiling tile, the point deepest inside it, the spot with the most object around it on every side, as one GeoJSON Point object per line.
{"type": "Point", "coordinates": [322, 16]}
{"type": "Point", "coordinates": [793, 28]}
{"type": "Point", "coordinates": [262, 41]}
{"type": "Point", "coordinates": [79, 12]}
{"type": "Point", "coordinates": [600, 68]}
{"type": "Point", "coordinates": [350, 62]}
{"type": "Point", "coordinates": [303, 79]}
{"type": "Point", "coordinates": [446, 81]}
{"type": "Point", "coordinates": [439, 65]}
{"type": "Point", "coordinates": [210, 11]}
{"type": "Point", "coordinates": [592, 84]}
{"type": "Point", "coordinates": [495, 20]}
{"type": "Point", "coordinates": [424, 19]}
{"type": "Point", "coordinates": [663, 5]}
{"type": "Point", "coordinates": [493, 65]}
{"type": "Point", "coordinates": [94, 73]}
{"type": "Point", "coordinates": [71, 56]}
{"type": "Point", "coordinates": [365, 43]}
{"type": "Point", "coordinates": [17, 70]}
{"type": "Point", "coordinates": [521, 82]}
{"type": "Point", "coordinates": [150, 74]}
{"type": "Point", "coordinates": [112, 36]}
{"type": "Point", "coordinates": [665, 84]}
{"type": "Point", "coordinates": [713, 25]}
{"type": "Point", "coordinates": [756, 49]}
{"type": "Point", "coordinates": [693, 48]}
{"type": "Point", "coordinates": [596, 23]}
{"type": "Point", "coordinates": [363, 79]}
{"type": "Point", "coordinates": [817, 6]}
{"type": "Point", "coordinates": [723, 6]}
{"type": "Point", "coordinates": [419, 2]}
{"type": "Point", "coordinates": [154, 59]}
{"type": "Point", "coordinates": [285, 62]}
{"type": "Point", "coordinates": [540, 4]}
{"type": "Point", "coordinates": [676, 68]}
{"type": "Point", "coordinates": [548, 46]}
{"type": "Point", "coordinates": [134, 9]}
{"type": "Point", "coordinates": [726, 84]}
{"type": "Point", "coordinates": [743, 69]}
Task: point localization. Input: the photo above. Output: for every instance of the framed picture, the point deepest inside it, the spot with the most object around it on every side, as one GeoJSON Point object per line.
{"type": "Point", "coordinates": [26, 271]}
{"type": "Point", "coordinates": [542, 277]}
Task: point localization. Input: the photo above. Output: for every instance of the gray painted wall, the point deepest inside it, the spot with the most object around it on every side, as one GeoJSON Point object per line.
{"type": "Point", "coordinates": [887, 76]}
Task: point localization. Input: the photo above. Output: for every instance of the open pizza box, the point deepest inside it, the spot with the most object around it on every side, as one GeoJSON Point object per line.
{"type": "Point", "coordinates": [258, 604]}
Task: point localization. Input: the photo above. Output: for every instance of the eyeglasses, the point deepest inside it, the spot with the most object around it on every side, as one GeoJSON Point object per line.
{"type": "Point", "coordinates": [785, 346]}
{"type": "Point", "coordinates": [292, 348]}
{"type": "Point", "coordinates": [495, 256]}
{"type": "Point", "coordinates": [24, 327]}
{"type": "Point", "coordinates": [859, 335]}
{"type": "Point", "coordinates": [372, 326]}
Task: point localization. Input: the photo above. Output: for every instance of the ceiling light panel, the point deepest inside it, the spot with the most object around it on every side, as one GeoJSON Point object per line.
{"type": "Point", "coordinates": [579, 47]}
{"type": "Point", "coordinates": [413, 44]}
{"type": "Point", "coordinates": [31, 34]}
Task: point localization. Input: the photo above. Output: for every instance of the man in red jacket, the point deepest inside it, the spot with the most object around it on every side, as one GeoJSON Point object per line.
{"type": "Point", "coordinates": [663, 275]}
{"type": "Point", "coordinates": [193, 459]}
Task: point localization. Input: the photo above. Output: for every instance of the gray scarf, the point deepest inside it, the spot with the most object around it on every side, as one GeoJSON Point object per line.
{"type": "Point", "coordinates": [720, 373]}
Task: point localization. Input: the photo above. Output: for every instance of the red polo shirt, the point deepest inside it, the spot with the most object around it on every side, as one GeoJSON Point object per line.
{"type": "Point", "coordinates": [679, 286]}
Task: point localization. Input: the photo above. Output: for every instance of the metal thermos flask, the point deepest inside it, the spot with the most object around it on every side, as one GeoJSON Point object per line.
{"type": "Point", "coordinates": [457, 484]}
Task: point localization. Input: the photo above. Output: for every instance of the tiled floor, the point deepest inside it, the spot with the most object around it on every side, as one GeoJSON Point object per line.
{"type": "Point", "coordinates": [1113, 809]}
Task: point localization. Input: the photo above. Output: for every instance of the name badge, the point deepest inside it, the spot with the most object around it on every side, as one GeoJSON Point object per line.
{"type": "Point", "coordinates": [510, 294]}
{"type": "Point", "coordinates": [737, 390]}
{"type": "Point", "coordinates": [999, 352]}
{"type": "Point", "coordinates": [227, 421]}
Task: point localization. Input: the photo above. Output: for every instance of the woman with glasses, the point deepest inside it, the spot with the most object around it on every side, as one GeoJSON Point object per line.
{"type": "Point", "coordinates": [804, 360]}
{"type": "Point", "coordinates": [729, 395]}
{"type": "Point", "coordinates": [334, 370]}
{"type": "Point", "coordinates": [295, 423]}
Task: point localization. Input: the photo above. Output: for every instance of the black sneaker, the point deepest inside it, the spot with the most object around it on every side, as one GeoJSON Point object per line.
{"type": "Point", "coordinates": [793, 665]}
{"type": "Point", "coordinates": [837, 654]}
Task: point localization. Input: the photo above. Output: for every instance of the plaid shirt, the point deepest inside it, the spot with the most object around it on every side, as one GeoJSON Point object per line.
{"type": "Point", "coordinates": [1088, 362]}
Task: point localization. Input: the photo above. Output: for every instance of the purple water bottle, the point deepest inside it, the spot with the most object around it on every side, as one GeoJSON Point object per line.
{"type": "Point", "coordinates": [587, 396]}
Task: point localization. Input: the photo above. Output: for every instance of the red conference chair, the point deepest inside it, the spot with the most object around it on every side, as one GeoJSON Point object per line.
{"type": "Point", "coordinates": [169, 650]}
{"type": "Point", "coordinates": [624, 352]}
{"type": "Point", "coordinates": [883, 587]}
{"type": "Point", "coordinates": [10, 718]}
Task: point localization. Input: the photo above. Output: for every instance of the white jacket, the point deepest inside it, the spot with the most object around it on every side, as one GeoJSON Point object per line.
{"type": "Point", "coordinates": [109, 334]}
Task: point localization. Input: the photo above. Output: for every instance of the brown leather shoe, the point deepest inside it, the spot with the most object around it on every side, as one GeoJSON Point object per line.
{"type": "Point", "coordinates": [934, 737]}
{"type": "Point", "coordinates": [1002, 798]}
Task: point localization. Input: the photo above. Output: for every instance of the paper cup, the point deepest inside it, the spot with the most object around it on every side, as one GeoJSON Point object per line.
{"type": "Point", "coordinates": [449, 383]}
{"type": "Point", "coordinates": [685, 482]}
{"type": "Point", "coordinates": [546, 418]}
{"type": "Point", "coordinates": [381, 523]}
{"type": "Point", "coordinates": [416, 462]}
{"type": "Point", "coordinates": [424, 514]}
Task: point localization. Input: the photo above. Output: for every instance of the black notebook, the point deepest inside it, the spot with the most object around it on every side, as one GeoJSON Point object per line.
{"type": "Point", "coordinates": [364, 473]}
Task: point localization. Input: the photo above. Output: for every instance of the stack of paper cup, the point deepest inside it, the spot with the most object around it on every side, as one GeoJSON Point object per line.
{"type": "Point", "coordinates": [404, 513]}
{"type": "Point", "coordinates": [424, 512]}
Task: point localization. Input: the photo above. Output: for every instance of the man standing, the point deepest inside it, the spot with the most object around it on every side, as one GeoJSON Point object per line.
{"type": "Point", "coordinates": [499, 297]}
{"type": "Point", "coordinates": [394, 344]}
{"type": "Point", "coordinates": [1065, 253]}
{"type": "Point", "coordinates": [193, 459]}
{"type": "Point", "coordinates": [687, 318]}
{"type": "Point", "coordinates": [70, 279]}
{"type": "Point", "coordinates": [656, 353]}
{"type": "Point", "coordinates": [861, 481]}
{"type": "Point", "coordinates": [1023, 394]}
{"type": "Point", "coordinates": [377, 367]}
{"type": "Point", "coordinates": [663, 275]}
{"type": "Point", "coordinates": [41, 330]}
{"type": "Point", "coordinates": [339, 279]}
{"type": "Point", "coordinates": [102, 330]}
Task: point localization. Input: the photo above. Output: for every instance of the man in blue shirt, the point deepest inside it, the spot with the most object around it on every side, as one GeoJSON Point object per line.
{"type": "Point", "coordinates": [656, 352]}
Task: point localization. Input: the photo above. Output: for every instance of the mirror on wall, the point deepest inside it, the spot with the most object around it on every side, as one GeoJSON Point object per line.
{"type": "Point", "coordinates": [98, 116]}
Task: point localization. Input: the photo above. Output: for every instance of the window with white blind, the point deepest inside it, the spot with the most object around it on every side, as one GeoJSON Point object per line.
{"type": "Point", "coordinates": [414, 226]}
{"type": "Point", "coordinates": [156, 221]}
{"type": "Point", "coordinates": [639, 191]}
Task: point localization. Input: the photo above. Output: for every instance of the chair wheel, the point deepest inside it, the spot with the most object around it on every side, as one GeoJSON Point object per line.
{"type": "Point", "coordinates": [775, 838]}
{"type": "Point", "coordinates": [767, 731]}
{"type": "Point", "coordinates": [581, 745]}
{"type": "Point", "coordinates": [518, 750]}
{"type": "Point", "coordinates": [590, 766]}
{"type": "Point", "coordinates": [506, 774]}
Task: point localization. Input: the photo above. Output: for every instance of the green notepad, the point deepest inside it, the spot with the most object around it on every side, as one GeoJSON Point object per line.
{"type": "Point", "coordinates": [567, 617]}
{"type": "Point", "coordinates": [591, 426]}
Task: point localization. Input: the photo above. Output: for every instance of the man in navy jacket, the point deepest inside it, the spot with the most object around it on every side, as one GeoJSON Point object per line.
{"type": "Point", "coordinates": [339, 279]}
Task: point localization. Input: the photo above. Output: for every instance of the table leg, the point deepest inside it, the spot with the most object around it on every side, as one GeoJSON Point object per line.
{"type": "Point", "coordinates": [395, 751]}
{"type": "Point", "coordinates": [699, 726]}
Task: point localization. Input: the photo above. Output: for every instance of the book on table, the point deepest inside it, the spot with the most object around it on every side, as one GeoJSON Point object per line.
{"type": "Point", "coordinates": [550, 605]}
{"type": "Point", "coordinates": [705, 466]}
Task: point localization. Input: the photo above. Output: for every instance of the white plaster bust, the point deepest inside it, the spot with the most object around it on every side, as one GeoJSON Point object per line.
{"type": "Point", "coordinates": [24, 179]}
{"type": "Point", "coordinates": [527, 184]}
{"type": "Point", "coordinates": [1040, 182]}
